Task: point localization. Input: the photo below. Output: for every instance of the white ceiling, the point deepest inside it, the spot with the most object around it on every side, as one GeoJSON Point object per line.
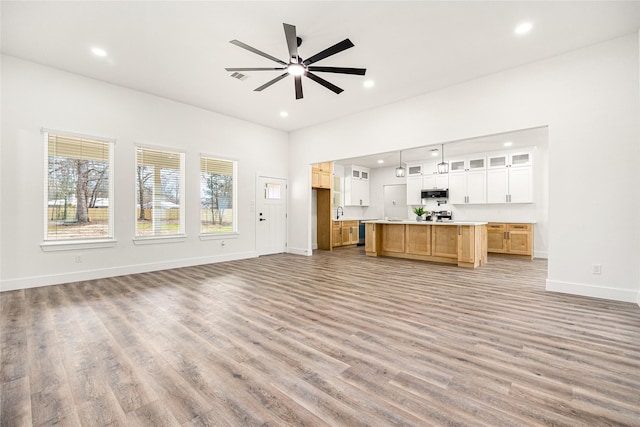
{"type": "Point", "coordinates": [178, 50]}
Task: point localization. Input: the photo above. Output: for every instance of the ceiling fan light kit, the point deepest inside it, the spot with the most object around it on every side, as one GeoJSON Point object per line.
{"type": "Point", "coordinates": [297, 67]}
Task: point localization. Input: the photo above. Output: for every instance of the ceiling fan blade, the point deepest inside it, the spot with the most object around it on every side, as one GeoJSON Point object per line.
{"type": "Point", "coordinates": [324, 83]}
{"type": "Point", "coordinates": [270, 82]}
{"type": "Point", "coordinates": [342, 70]}
{"type": "Point", "coordinates": [292, 41]}
{"type": "Point", "coordinates": [336, 48]}
{"type": "Point", "coordinates": [298, 83]}
{"type": "Point", "coordinates": [255, 69]}
{"type": "Point", "coordinates": [256, 51]}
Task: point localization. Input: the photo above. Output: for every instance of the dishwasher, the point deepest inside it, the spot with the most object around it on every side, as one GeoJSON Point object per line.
{"type": "Point", "coordinates": [361, 231]}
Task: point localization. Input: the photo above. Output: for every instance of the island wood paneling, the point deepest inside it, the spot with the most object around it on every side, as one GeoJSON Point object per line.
{"type": "Point", "coordinates": [445, 241]}
{"type": "Point", "coordinates": [336, 339]}
{"type": "Point", "coordinates": [418, 239]}
{"type": "Point", "coordinates": [393, 238]}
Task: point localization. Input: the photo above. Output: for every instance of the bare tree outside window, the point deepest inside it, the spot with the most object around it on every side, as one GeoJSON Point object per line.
{"type": "Point", "coordinates": [216, 196]}
{"type": "Point", "coordinates": [78, 188]}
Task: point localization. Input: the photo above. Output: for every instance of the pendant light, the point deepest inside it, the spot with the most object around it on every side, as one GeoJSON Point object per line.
{"type": "Point", "coordinates": [442, 166]}
{"type": "Point", "coordinates": [400, 169]}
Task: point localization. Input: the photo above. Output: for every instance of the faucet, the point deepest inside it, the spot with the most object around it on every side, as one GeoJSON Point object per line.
{"type": "Point", "coordinates": [339, 211]}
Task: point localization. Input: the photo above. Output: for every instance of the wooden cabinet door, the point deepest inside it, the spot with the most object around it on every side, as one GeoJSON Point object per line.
{"type": "Point", "coordinates": [371, 241]}
{"type": "Point", "coordinates": [466, 243]}
{"type": "Point", "coordinates": [337, 234]}
{"type": "Point", "coordinates": [444, 241]}
{"type": "Point", "coordinates": [355, 234]}
{"type": "Point", "coordinates": [393, 238]}
{"type": "Point", "coordinates": [315, 179]}
{"type": "Point", "coordinates": [418, 239]}
{"type": "Point", "coordinates": [324, 180]}
{"type": "Point", "coordinates": [520, 239]}
{"type": "Point", "coordinates": [496, 238]}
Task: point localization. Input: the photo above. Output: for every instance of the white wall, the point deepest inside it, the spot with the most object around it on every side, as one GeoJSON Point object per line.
{"type": "Point", "coordinates": [589, 100]}
{"type": "Point", "coordinates": [34, 96]}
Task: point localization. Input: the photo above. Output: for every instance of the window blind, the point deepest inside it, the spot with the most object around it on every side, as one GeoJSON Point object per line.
{"type": "Point", "coordinates": [159, 192]}
{"type": "Point", "coordinates": [79, 188]}
{"type": "Point", "coordinates": [217, 195]}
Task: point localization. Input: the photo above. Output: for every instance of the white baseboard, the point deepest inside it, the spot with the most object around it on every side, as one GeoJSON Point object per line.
{"type": "Point", "coordinates": [56, 279]}
{"type": "Point", "coordinates": [615, 294]}
{"type": "Point", "coordinates": [299, 251]}
{"type": "Point", "coordinates": [541, 254]}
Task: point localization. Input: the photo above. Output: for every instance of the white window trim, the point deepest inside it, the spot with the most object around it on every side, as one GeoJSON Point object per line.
{"type": "Point", "coordinates": [236, 228]}
{"type": "Point", "coordinates": [219, 236]}
{"type": "Point", "coordinates": [72, 245]}
{"type": "Point", "coordinates": [49, 245]}
{"type": "Point", "coordinates": [153, 240]}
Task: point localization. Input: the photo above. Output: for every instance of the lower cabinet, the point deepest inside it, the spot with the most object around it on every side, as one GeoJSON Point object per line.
{"type": "Point", "coordinates": [464, 245]}
{"type": "Point", "coordinates": [345, 233]}
{"type": "Point", "coordinates": [508, 238]}
{"type": "Point", "coordinates": [445, 241]}
{"type": "Point", "coordinates": [393, 238]}
{"type": "Point", "coordinates": [418, 239]}
{"type": "Point", "coordinates": [371, 241]}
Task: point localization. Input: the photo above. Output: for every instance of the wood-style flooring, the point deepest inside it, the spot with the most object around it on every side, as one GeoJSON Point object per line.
{"type": "Point", "coordinates": [337, 339]}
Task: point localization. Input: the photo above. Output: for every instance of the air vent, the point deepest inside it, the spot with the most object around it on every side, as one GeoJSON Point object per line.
{"type": "Point", "coordinates": [238, 76]}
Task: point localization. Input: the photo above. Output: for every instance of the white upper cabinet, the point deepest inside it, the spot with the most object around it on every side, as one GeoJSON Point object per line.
{"type": "Point", "coordinates": [510, 177]}
{"type": "Point", "coordinates": [510, 159]}
{"type": "Point", "coordinates": [414, 190]}
{"type": "Point", "coordinates": [414, 169]}
{"type": "Point", "coordinates": [356, 186]}
{"type": "Point", "coordinates": [435, 181]}
{"type": "Point", "coordinates": [468, 180]}
{"type": "Point", "coordinates": [495, 177]}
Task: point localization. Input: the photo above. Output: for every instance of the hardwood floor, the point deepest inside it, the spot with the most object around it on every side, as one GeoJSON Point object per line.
{"type": "Point", "coordinates": [335, 339]}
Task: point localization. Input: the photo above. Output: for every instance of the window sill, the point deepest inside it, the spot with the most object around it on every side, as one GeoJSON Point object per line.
{"type": "Point", "coordinates": [220, 236]}
{"type": "Point", "coordinates": [158, 240]}
{"type": "Point", "coordinates": [72, 245]}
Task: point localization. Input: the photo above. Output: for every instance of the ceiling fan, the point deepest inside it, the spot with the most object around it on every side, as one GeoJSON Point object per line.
{"type": "Point", "coordinates": [297, 67]}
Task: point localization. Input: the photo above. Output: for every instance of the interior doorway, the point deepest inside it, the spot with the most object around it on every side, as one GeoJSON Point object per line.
{"type": "Point", "coordinates": [395, 201]}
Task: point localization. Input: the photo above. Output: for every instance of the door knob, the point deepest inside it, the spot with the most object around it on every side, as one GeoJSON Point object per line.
{"type": "Point", "coordinates": [263, 219]}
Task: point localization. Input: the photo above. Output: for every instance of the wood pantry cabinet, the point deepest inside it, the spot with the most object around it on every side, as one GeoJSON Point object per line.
{"type": "Point", "coordinates": [345, 233]}
{"type": "Point", "coordinates": [510, 238]}
{"type": "Point", "coordinates": [321, 175]}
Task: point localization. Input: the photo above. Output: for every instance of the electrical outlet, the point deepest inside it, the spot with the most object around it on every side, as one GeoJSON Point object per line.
{"type": "Point", "coordinates": [78, 258]}
{"type": "Point", "coordinates": [596, 269]}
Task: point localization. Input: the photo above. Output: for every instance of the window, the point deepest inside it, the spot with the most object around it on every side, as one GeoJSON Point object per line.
{"type": "Point", "coordinates": [79, 187]}
{"type": "Point", "coordinates": [217, 196]}
{"type": "Point", "coordinates": [159, 193]}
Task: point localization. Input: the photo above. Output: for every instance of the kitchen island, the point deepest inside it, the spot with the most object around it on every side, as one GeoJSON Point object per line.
{"type": "Point", "coordinates": [454, 242]}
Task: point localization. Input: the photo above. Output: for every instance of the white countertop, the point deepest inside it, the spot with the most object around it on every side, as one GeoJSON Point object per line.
{"type": "Point", "coordinates": [414, 222]}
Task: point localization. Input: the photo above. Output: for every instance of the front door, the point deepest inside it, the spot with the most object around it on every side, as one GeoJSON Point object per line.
{"type": "Point", "coordinates": [271, 226]}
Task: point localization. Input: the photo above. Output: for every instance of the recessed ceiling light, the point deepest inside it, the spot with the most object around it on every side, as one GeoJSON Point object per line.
{"type": "Point", "coordinates": [434, 152]}
{"type": "Point", "coordinates": [508, 144]}
{"type": "Point", "coordinates": [523, 28]}
{"type": "Point", "coordinates": [98, 52]}
{"type": "Point", "coordinates": [368, 83]}
{"type": "Point", "coordinates": [380, 161]}
{"type": "Point", "coordinates": [283, 114]}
